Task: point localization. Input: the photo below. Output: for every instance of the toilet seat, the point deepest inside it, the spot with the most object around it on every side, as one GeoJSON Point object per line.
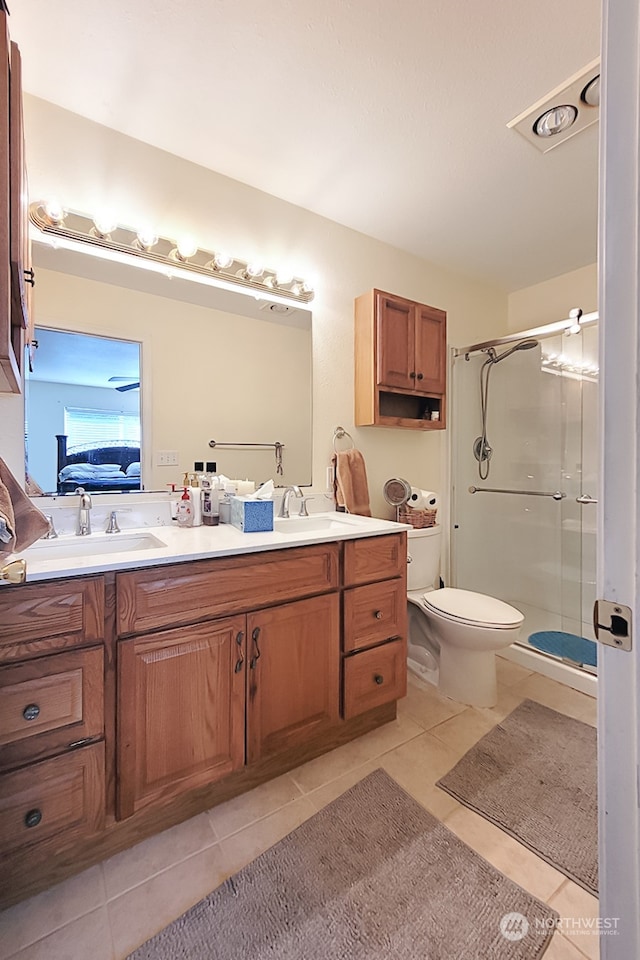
{"type": "Point", "coordinates": [472, 609]}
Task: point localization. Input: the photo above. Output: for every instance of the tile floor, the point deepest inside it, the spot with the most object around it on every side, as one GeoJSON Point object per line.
{"type": "Point", "coordinates": [107, 911]}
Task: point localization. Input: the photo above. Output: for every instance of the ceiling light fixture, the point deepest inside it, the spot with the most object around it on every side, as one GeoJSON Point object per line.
{"type": "Point", "coordinates": [564, 112]}
{"type": "Point", "coordinates": [144, 249]}
{"type": "Point", "coordinates": [591, 93]}
{"type": "Point", "coordinates": [555, 120]}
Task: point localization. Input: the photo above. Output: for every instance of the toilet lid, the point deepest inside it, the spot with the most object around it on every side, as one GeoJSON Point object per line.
{"type": "Point", "coordinates": [468, 607]}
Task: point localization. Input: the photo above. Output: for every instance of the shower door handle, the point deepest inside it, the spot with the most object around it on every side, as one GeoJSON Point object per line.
{"type": "Point", "coordinates": [585, 498]}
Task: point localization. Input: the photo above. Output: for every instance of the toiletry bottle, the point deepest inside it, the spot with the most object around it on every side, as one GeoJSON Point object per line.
{"type": "Point", "coordinates": [184, 513]}
{"type": "Point", "coordinates": [196, 501]}
{"type": "Point", "coordinates": [210, 512]}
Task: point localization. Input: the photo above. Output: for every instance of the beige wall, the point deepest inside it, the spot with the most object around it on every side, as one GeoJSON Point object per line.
{"type": "Point", "coordinates": [88, 167]}
{"type": "Point", "coordinates": [552, 300]}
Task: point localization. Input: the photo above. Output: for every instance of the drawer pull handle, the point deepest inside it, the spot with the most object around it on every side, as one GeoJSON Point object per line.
{"type": "Point", "coordinates": [256, 656]}
{"type": "Point", "coordinates": [378, 678]}
{"type": "Point", "coordinates": [33, 818]}
{"type": "Point", "coordinates": [31, 711]}
{"type": "Point", "coordinates": [378, 614]}
{"type": "Point", "coordinates": [240, 661]}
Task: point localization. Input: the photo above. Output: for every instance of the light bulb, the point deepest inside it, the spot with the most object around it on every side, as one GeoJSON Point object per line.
{"type": "Point", "coordinates": [147, 238]}
{"type": "Point", "coordinates": [284, 278]}
{"type": "Point", "coordinates": [254, 270]}
{"type": "Point", "coordinates": [105, 223]}
{"type": "Point", "coordinates": [555, 120]}
{"type": "Point", "coordinates": [222, 260]}
{"type": "Point", "coordinates": [54, 212]}
{"type": "Point", "coordinates": [187, 247]}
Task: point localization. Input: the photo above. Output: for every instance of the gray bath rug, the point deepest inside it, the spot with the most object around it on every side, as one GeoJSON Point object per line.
{"type": "Point", "coordinates": [373, 876]}
{"type": "Point", "coordinates": [534, 775]}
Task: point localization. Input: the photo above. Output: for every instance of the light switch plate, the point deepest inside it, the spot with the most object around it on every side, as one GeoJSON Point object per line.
{"type": "Point", "coordinates": [166, 458]}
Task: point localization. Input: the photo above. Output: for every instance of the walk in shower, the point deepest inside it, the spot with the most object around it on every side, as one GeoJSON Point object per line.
{"type": "Point", "coordinates": [525, 472]}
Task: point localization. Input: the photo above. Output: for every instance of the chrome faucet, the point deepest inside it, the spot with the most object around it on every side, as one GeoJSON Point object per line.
{"type": "Point", "coordinates": [52, 533]}
{"type": "Point", "coordinates": [83, 526]}
{"type": "Point", "coordinates": [112, 526]}
{"type": "Point", "coordinates": [284, 505]}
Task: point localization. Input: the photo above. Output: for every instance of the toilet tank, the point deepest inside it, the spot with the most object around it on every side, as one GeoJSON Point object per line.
{"type": "Point", "coordinates": [423, 569]}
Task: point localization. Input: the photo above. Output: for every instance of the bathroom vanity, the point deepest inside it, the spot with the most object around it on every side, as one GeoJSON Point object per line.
{"type": "Point", "coordinates": [142, 687]}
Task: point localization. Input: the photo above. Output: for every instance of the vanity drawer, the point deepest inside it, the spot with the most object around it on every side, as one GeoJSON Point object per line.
{"type": "Point", "coordinates": [38, 618]}
{"type": "Point", "coordinates": [375, 558]}
{"type": "Point", "coordinates": [54, 802]}
{"type": "Point", "coordinates": [185, 593]}
{"type": "Point", "coordinates": [374, 677]}
{"type": "Point", "coordinates": [374, 613]}
{"type": "Point", "coordinates": [50, 703]}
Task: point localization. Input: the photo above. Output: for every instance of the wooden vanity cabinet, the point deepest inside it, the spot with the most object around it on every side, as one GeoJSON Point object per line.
{"type": "Point", "coordinates": [400, 362]}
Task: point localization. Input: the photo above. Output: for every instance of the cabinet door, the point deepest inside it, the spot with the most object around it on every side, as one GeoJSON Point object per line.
{"type": "Point", "coordinates": [431, 349]}
{"type": "Point", "coordinates": [181, 710]}
{"type": "Point", "coordinates": [293, 681]}
{"type": "Point", "coordinates": [395, 342]}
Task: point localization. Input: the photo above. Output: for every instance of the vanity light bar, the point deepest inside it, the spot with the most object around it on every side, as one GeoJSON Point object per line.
{"type": "Point", "coordinates": [78, 231]}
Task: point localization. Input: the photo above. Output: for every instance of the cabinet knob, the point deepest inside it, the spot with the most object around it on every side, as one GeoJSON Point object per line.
{"type": "Point", "coordinates": [413, 374]}
{"type": "Point", "coordinates": [420, 376]}
{"type": "Point", "coordinates": [33, 818]}
{"type": "Point", "coordinates": [378, 614]}
{"type": "Point", "coordinates": [378, 678]}
{"type": "Point", "coordinates": [240, 660]}
{"type": "Point", "coordinates": [31, 711]}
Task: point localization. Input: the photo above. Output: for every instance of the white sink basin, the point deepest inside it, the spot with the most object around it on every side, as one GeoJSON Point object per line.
{"type": "Point", "coordinates": [91, 546]}
{"type": "Point", "coordinates": [310, 524]}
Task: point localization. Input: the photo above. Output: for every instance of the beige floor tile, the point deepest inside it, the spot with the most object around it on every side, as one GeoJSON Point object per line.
{"type": "Point", "coordinates": [556, 695]}
{"type": "Point", "coordinates": [418, 764]}
{"type": "Point", "coordinates": [234, 815]}
{"type": "Point", "coordinates": [88, 938]}
{"type": "Point", "coordinates": [461, 732]}
{"type": "Point", "coordinates": [324, 795]}
{"type": "Point", "coordinates": [562, 949]}
{"type": "Point", "coordinates": [39, 916]}
{"type": "Point", "coordinates": [517, 862]}
{"type": "Point", "coordinates": [245, 846]}
{"type": "Point", "coordinates": [578, 911]}
{"type": "Point", "coordinates": [508, 699]}
{"type": "Point", "coordinates": [146, 909]}
{"type": "Point", "coordinates": [335, 764]}
{"type": "Point", "coordinates": [510, 672]}
{"type": "Point", "coordinates": [425, 706]}
{"type": "Point", "coordinates": [140, 863]}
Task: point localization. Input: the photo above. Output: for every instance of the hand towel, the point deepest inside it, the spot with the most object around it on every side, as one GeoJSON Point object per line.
{"type": "Point", "coordinates": [24, 522]}
{"type": "Point", "coordinates": [351, 488]}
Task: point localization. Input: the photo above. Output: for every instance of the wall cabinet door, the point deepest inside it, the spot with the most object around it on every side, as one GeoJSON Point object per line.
{"type": "Point", "coordinates": [181, 710]}
{"type": "Point", "coordinates": [293, 682]}
{"type": "Point", "coordinates": [431, 353]}
{"type": "Point", "coordinates": [396, 342]}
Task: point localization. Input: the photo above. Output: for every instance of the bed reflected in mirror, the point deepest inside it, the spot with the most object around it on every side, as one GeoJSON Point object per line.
{"type": "Point", "coordinates": [82, 414]}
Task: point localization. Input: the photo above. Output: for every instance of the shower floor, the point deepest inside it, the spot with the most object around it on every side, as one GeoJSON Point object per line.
{"type": "Point", "coordinates": [537, 619]}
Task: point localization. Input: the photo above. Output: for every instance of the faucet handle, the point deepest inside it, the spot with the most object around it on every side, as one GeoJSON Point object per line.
{"type": "Point", "coordinates": [112, 525]}
{"type": "Point", "coordinates": [303, 512]}
{"type": "Point", "coordinates": [52, 533]}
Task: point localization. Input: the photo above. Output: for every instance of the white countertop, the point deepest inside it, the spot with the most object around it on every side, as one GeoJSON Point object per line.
{"type": "Point", "coordinates": [49, 559]}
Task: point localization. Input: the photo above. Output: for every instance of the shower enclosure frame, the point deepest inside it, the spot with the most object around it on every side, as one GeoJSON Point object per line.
{"type": "Point", "coordinates": [525, 656]}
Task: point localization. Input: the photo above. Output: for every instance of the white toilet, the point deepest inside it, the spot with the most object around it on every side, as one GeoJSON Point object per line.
{"type": "Point", "coordinates": [454, 634]}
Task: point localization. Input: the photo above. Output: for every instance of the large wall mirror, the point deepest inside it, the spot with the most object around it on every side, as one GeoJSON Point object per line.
{"type": "Point", "coordinates": [197, 363]}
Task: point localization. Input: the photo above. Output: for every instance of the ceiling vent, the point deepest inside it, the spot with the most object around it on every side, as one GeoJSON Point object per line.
{"type": "Point", "coordinates": [561, 114]}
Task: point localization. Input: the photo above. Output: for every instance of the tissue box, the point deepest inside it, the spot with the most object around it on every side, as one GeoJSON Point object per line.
{"type": "Point", "coordinates": [252, 516]}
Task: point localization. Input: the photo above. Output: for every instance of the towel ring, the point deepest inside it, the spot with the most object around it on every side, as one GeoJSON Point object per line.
{"type": "Point", "coordinates": [339, 434]}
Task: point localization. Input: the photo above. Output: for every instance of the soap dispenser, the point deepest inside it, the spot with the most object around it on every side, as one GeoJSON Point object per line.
{"type": "Point", "coordinates": [184, 513]}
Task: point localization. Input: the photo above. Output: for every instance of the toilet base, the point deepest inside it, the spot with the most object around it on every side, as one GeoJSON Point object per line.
{"type": "Point", "coordinates": [468, 676]}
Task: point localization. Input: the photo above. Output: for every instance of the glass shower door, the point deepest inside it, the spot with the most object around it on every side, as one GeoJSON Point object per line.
{"type": "Point", "coordinates": [519, 534]}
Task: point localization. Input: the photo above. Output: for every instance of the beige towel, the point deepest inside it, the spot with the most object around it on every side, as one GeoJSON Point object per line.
{"type": "Point", "coordinates": [351, 488]}
{"type": "Point", "coordinates": [25, 523]}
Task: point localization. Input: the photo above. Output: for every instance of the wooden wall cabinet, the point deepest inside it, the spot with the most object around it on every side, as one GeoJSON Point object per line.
{"type": "Point", "coordinates": [400, 362]}
{"type": "Point", "coordinates": [16, 275]}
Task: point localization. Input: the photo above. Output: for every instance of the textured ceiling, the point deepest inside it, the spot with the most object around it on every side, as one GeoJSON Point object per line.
{"type": "Point", "coordinates": [388, 117]}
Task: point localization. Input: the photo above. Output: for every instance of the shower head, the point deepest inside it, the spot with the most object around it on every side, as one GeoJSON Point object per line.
{"type": "Point", "coordinates": [522, 345]}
